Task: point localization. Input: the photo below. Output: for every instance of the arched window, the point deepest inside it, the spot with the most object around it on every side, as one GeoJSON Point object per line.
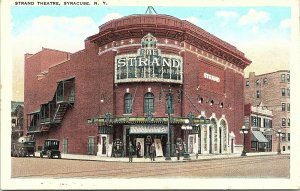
{"type": "Point", "coordinates": [169, 103]}
{"type": "Point", "coordinates": [128, 103]}
{"type": "Point", "coordinates": [149, 103]}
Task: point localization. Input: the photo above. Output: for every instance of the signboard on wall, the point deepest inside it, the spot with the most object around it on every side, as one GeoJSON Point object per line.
{"type": "Point", "coordinates": [148, 65]}
{"type": "Point", "coordinates": [148, 129]}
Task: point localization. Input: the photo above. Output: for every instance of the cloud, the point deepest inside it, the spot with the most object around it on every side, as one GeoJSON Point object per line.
{"type": "Point", "coordinates": [226, 14]}
{"type": "Point", "coordinates": [193, 20]}
{"type": "Point", "coordinates": [254, 17]}
{"type": "Point", "coordinates": [61, 33]}
{"type": "Point", "coordinates": [111, 16]}
{"type": "Point", "coordinates": [286, 23]}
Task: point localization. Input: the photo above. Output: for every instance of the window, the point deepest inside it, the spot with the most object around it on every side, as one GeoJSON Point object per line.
{"type": "Point", "coordinates": [267, 123]}
{"type": "Point", "coordinates": [288, 77]}
{"type": "Point", "coordinates": [258, 94]}
{"type": "Point", "coordinates": [247, 83]}
{"type": "Point", "coordinates": [288, 107]}
{"type": "Point", "coordinates": [283, 107]}
{"type": "Point", "coordinates": [256, 121]}
{"type": "Point", "coordinates": [265, 81]}
{"type": "Point", "coordinates": [169, 103]}
{"type": "Point", "coordinates": [283, 122]}
{"type": "Point", "coordinates": [288, 121]}
{"type": "Point", "coordinates": [128, 103]}
{"type": "Point", "coordinates": [149, 103]}
{"type": "Point", "coordinates": [282, 91]}
{"type": "Point", "coordinates": [282, 77]}
{"type": "Point", "coordinates": [258, 82]}
{"type": "Point", "coordinates": [288, 91]}
{"type": "Point", "coordinates": [289, 136]}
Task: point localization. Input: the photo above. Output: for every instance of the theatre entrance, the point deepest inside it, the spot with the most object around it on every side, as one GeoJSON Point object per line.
{"type": "Point", "coordinates": [142, 136]}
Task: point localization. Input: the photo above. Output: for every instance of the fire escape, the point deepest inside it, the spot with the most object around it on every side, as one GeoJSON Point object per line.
{"type": "Point", "coordinates": [51, 114]}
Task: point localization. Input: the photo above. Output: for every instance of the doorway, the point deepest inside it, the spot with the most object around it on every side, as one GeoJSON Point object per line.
{"type": "Point", "coordinates": [220, 140]}
{"type": "Point", "coordinates": [103, 145]}
{"type": "Point", "coordinates": [210, 140]}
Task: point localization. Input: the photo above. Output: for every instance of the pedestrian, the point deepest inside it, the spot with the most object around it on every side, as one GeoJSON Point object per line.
{"type": "Point", "coordinates": [130, 151]}
{"type": "Point", "coordinates": [177, 153]}
{"type": "Point", "coordinates": [152, 152]}
{"type": "Point", "coordinates": [138, 150]}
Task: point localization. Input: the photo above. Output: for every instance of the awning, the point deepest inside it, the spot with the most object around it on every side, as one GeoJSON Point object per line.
{"type": "Point", "coordinates": [258, 136]}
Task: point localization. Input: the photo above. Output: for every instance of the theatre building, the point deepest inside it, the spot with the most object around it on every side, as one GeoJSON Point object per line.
{"type": "Point", "coordinates": [140, 79]}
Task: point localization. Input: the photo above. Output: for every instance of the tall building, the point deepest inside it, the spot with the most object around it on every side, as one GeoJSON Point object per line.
{"type": "Point", "coordinates": [272, 90]}
{"type": "Point", "coordinates": [141, 79]}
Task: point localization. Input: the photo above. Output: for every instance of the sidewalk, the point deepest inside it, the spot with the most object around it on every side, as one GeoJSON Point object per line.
{"type": "Point", "coordinates": [161, 159]}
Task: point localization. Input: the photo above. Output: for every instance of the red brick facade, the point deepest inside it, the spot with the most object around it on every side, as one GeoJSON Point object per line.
{"type": "Point", "coordinates": [212, 71]}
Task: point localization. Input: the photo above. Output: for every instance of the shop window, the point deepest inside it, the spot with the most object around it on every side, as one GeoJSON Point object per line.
{"type": "Point", "coordinates": [288, 107]}
{"type": "Point", "coordinates": [265, 81]}
{"type": "Point", "coordinates": [282, 91]}
{"type": "Point", "coordinates": [128, 103]}
{"type": "Point", "coordinates": [149, 103]}
{"type": "Point", "coordinates": [282, 77]}
{"type": "Point", "coordinates": [247, 83]}
{"type": "Point", "coordinates": [282, 106]}
{"type": "Point", "coordinates": [169, 104]}
{"type": "Point", "coordinates": [283, 122]}
{"type": "Point", "coordinates": [258, 94]}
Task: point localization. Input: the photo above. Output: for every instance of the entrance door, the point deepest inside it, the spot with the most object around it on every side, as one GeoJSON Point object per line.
{"type": "Point", "coordinates": [210, 140]}
{"type": "Point", "coordinates": [65, 146]}
{"type": "Point", "coordinates": [231, 145]}
{"type": "Point", "coordinates": [91, 145]}
{"type": "Point", "coordinates": [103, 145]}
{"type": "Point", "coordinates": [141, 141]}
{"type": "Point", "coordinates": [199, 142]}
{"type": "Point", "coordinates": [220, 140]}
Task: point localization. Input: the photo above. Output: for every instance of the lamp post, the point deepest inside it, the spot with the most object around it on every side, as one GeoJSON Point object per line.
{"type": "Point", "coordinates": [279, 135]}
{"type": "Point", "coordinates": [244, 131]}
{"type": "Point", "coordinates": [168, 149]}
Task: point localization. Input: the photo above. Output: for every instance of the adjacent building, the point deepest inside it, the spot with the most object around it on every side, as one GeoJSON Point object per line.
{"type": "Point", "coordinates": [272, 90]}
{"type": "Point", "coordinates": [258, 119]}
{"type": "Point", "coordinates": [141, 79]}
{"type": "Point", "coordinates": [17, 113]}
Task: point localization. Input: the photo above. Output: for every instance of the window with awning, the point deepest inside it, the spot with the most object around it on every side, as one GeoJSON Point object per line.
{"type": "Point", "coordinates": [259, 137]}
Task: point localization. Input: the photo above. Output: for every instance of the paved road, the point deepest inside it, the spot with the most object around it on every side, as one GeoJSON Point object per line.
{"type": "Point", "coordinates": [252, 167]}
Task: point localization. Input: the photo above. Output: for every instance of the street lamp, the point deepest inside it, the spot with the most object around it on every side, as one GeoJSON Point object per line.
{"type": "Point", "coordinates": [168, 150]}
{"type": "Point", "coordinates": [279, 135]}
{"type": "Point", "coordinates": [244, 131]}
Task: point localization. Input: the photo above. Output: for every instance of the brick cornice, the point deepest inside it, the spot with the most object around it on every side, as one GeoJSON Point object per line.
{"type": "Point", "coordinates": [163, 26]}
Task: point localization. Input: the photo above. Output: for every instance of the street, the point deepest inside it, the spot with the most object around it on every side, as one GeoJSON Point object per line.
{"type": "Point", "coordinates": [250, 167]}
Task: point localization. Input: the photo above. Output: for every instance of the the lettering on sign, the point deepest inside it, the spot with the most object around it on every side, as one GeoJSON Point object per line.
{"type": "Point", "coordinates": [211, 77]}
{"type": "Point", "coordinates": [151, 129]}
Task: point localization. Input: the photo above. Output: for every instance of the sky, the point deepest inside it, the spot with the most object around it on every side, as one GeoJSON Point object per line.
{"type": "Point", "coordinates": [263, 33]}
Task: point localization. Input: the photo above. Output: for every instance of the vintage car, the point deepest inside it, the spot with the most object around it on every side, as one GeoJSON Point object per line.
{"type": "Point", "coordinates": [23, 147]}
{"type": "Point", "coordinates": [50, 149]}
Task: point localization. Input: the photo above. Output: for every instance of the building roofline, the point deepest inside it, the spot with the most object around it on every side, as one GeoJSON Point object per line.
{"type": "Point", "coordinates": [268, 73]}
